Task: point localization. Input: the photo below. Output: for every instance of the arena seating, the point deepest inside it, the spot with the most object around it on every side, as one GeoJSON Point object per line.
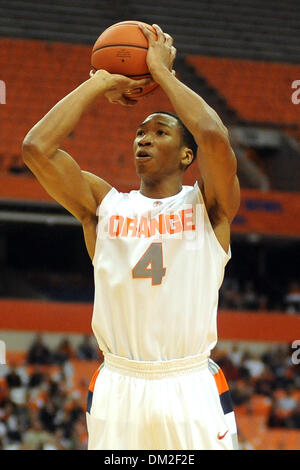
{"type": "Point", "coordinates": [49, 72]}
{"type": "Point", "coordinates": [258, 91]}
{"type": "Point", "coordinates": [253, 429]}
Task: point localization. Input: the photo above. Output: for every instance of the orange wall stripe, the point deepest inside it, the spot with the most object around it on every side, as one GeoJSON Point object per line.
{"type": "Point", "coordinates": [39, 316]}
{"type": "Point", "coordinates": [45, 316]}
{"type": "Point", "coordinates": [271, 213]}
{"type": "Point", "coordinates": [252, 326]}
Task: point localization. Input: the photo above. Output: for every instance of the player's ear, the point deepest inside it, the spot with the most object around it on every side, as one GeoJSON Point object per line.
{"type": "Point", "coordinates": [187, 157]}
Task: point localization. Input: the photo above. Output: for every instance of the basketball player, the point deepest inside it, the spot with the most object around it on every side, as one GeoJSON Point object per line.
{"type": "Point", "coordinates": [159, 255]}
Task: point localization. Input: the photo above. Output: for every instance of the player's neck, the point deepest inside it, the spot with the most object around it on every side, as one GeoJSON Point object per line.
{"type": "Point", "coordinates": [160, 189]}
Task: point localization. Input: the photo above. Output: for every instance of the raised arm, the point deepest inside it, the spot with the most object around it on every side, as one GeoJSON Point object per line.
{"type": "Point", "coordinates": [78, 191]}
{"type": "Point", "coordinates": [216, 159]}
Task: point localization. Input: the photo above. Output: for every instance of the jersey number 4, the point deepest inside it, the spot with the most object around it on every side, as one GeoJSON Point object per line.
{"type": "Point", "coordinates": [150, 265]}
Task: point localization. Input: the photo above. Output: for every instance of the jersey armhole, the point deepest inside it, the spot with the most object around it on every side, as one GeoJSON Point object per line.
{"type": "Point", "coordinates": [101, 209]}
{"type": "Point", "coordinates": [113, 191]}
{"type": "Point", "coordinates": [225, 255]}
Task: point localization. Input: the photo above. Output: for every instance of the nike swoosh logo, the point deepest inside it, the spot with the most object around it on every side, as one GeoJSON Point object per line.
{"type": "Point", "coordinates": [223, 435]}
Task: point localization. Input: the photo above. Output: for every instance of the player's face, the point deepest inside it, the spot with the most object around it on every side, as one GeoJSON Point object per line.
{"type": "Point", "coordinates": [157, 147]}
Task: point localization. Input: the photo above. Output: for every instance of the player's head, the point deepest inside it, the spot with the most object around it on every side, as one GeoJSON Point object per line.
{"type": "Point", "coordinates": [187, 137]}
{"type": "Point", "coordinates": [163, 145]}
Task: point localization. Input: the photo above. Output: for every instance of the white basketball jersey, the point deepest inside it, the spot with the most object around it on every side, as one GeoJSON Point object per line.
{"type": "Point", "coordinates": [158, 267]}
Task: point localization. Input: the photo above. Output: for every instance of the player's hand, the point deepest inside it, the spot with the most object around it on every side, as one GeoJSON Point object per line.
{"type": "Point", "coordinates": [161, 52]}
{"type": "Point", "coordinates": [117, 85]}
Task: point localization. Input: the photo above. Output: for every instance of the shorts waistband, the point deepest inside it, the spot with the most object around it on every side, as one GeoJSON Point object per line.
{"type": "Point", "coordinates": [155, 369]}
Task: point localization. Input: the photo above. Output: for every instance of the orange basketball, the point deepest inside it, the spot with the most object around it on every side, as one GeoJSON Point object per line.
{"type": "Point", "coordinates": [122, 49]}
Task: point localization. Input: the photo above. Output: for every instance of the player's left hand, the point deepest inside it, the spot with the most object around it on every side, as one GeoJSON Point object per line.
{"type": "Point", "coordinates": [115, 86]}
{"type": "Point", "coordinates": [161, 52]}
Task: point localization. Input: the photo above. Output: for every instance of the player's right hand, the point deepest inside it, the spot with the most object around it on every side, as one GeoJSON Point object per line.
{"type": "Point", "coordinates": [117, 85]}
{"type": "Point", "coordinates": [161, 52]}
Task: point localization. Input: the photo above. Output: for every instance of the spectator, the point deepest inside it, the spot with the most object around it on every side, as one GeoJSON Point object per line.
{"type": "Point", "coordinates": [63, 352]}
{"type": "Point", "coordinates": [3, 393]}
{"type": "Point", "coordinates": [230, 297]}
{"type": "Point", "coordinates": [234, 297]}
{"type": "Point", "coordinates": [39, 353]}
{"type": "Point", "coordinates": [13, 379]}
{"type": "Point", "coordinates": [275, 419]}
{"type": "Point", "coordinates": [12, 419]}
{"type": "Point", "coordinates": [3, 433]}
{"type": "Point", "coordinates": [287, 404]}
{"type": "Point", "coordinates": [235, 355]}
{"type": "Point", "coordinates": [292, 298]}
{"type": "Point", "coordinates": [284, 377]}
{"type": "Point", "coordinates": [57, 441]}
{"type": "Point", "coordinates": [254, 365]}
{"type": "Point", "coordinates": [17, 391]}
{"type": "Point", "coordinates": [74, 407]}
{"type": "Point", "coordinates": [37, 377]}
{"type": "Point", "coordinates": [53, 388]}
{"type": "Point", "coordinates": [250, 298]}
{"type": "Point", "coordinates": [293, 421]}
{"type": "Point", "coordinates": [277, 359]}
{"type": "Point", "coordinates": [35, 438]}
{"type": "Point", "coordinates": [64, 375]}
{"type": "Point", "coordinates": [264, 383]}
{"type": "Point", "coordinates": [86, 351]}
{"type": "Point", "coordinates": [79, 434]}
{"type": "Point", "coordinates": [47, 416]}
{"type": "Point", "coordinates": [241, 391]}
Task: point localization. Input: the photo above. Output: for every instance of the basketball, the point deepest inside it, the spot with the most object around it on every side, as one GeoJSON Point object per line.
{"type": "Point", "coordinates": [122, 49]}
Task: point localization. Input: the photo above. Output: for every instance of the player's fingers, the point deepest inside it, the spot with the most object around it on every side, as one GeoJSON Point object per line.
{"type": "Point", "coordinates": [168, 39]}
{"type": "Point", "coordinates": [113, 98]}
{"type": "Point", "coordinates": [146, 32]}
{"type": "Point", "coordinates": [94, 72]}
{"type": "Point", "coordinates": [121, 101]}
{"type": "Point", "coordinates": [160, 33]}
{"type": "Point", "coordinates": [139, 83]}
{"type": "Point", "coordinates": [125, 101]}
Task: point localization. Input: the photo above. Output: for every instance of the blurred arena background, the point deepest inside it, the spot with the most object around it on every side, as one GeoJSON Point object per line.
{"type": "Point", "coordinates": [243, 57]}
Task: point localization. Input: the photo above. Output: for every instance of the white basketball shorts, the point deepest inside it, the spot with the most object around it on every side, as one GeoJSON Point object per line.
{"type": "Point", "coordinates": [182, 404]}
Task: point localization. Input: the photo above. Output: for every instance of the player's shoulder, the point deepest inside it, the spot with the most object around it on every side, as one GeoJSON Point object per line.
{"type": "Point", "coordinates": [192, 192]}
{"type": "Point", "coordinates": [99, 187]}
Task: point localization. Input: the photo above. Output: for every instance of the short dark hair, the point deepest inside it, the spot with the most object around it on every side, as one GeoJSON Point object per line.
{"type": "Point", "coordinates": [187, 136]}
